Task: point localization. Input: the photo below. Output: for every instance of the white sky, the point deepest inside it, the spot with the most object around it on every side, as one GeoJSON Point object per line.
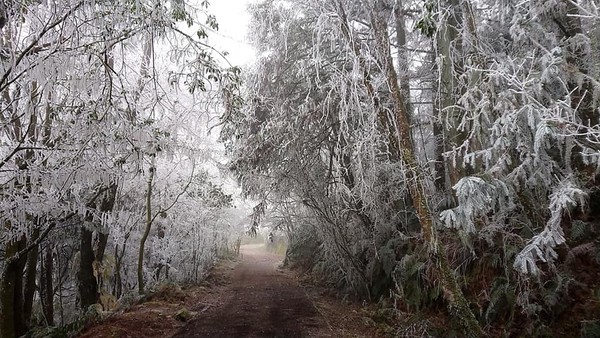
{"type": "Point", "coordinates": [233, 19]}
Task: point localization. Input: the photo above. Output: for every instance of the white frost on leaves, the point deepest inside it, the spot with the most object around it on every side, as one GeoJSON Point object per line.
{"type": "Point", "coordinates": [476, 197]}
{"type": "Point", "coordinates": [541, 247]}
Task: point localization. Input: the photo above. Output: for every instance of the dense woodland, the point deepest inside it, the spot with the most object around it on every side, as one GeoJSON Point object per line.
{"type": "Point", "coordinates": [109, 180]}
{"type": "Point", "coordinates": [438, 157]}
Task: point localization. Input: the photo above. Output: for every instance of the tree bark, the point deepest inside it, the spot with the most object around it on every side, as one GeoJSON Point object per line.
{"type": "Point", "coordinates": [441, 181]}
{"type": "Point", "coordinates": [102, 241]}
{"type": "Point", "coordinates": [46, 286]}
{"type": "Point", "coordinates": [118, 282]}
{"type": "Point", "coordinates": [30, 277]}
{"type": "Point", "coordinates": [140, 265]}
{"type": "Point", "coordinates": [106, 204]}
{"type": "Point", "coordinates": [12, 321]}
{"type": "Point", "coordinates": [87, 285]}
{"type": "Point", "coordinates": [402, 54]}
{"type": "Point", "coordinates": [453, 294]}
{"type": "Point", "coordinates": [449, 43]}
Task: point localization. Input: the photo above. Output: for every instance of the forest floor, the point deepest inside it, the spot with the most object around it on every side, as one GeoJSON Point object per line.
{"type": "Point", "coordinates": [248, 297]}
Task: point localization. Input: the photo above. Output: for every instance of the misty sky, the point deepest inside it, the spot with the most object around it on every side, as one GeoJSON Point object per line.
{"type": "Point", "coordinates": [233, 19]}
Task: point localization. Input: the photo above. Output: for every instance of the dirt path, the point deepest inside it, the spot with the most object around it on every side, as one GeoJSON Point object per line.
{"type": "Point", "coordinates": [261, 301]}
{"type": "Point", "coordinates": [250, 297]}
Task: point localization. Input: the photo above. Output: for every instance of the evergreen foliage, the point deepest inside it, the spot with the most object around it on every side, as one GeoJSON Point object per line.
{"type": "Point", "coordinates": [503, 106]}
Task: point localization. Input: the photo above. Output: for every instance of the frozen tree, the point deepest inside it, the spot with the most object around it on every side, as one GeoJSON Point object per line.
{"type": "Point", "coordinates": [436, 153]}
{"type": "Point", "coordinates": [94, 95]}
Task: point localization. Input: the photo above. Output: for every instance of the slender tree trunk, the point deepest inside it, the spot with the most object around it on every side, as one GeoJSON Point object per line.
{"type": "Point", "coordinates": [118, 285]}
{"type": "Point", "coordinates": [46, 285]}
{"type": "Point", "coordinates": [144, 73]}
{"type": "Point", "coordinates": [30, 277]}
{"type": "Point", "coordinates": [140, 265]}
{"type": "Point", "coordinates": [19, 318]}
{"type": "Point", "coordinates": [161, 235]}
{"type": "Point", "coordinates": [402, 54]}
{"type": "Point", "coordinates": [441, 181]}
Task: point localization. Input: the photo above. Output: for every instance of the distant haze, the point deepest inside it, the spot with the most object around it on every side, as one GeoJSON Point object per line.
{"type": "Point", "coordinates": [233, 20]}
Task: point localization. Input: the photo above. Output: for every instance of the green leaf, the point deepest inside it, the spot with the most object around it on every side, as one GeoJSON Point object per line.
{"type": "Point", "coordinates": [578, 230]}
{"type": "Point", "coordinates": [211, 21]}
{"type": "Point", "coordinates": [426, 24]}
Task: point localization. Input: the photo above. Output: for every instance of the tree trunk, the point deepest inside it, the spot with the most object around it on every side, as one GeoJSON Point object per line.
{"type": "Point", "coordinates": [140, 265]}
{"type": "Point", "coordinates": [8, 325]}
{"type": "Point", "coordinates": [12, 321]}
{"type": "Point", "coordinates": [402, 55]}
{"type": "Point", "coordinates": [160, 266]}
{"type": "Point", "coordinates": [106, 204]}
{"type": "Point", "coordinates": [46, 286]}
{"type": "Point", "coordinates": [118, 283]}
{"type": "Point", "coordinates": [448, 47]}
{"type": "Point", "coordinates": [453, 294]}
{"type": "Point", "coordinates": [30, 277]}
{"type": "Point", "coordinates": [102, 241]}
{"type": "Point", "coordinates": [87, 285]}
{"type": "Point", "coordinates": [441, 181]}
